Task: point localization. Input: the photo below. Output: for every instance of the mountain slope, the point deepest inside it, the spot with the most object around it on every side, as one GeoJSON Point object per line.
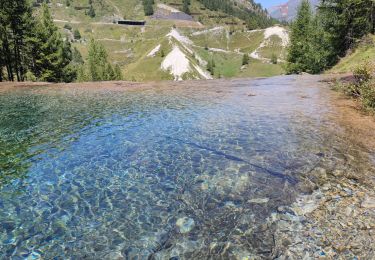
{"type": "Point", "coordinates": [173, 46]}
{"type": "Point", "coordinates": [364, 52]}
{"type": "Point", "coordinates": [251, 13]}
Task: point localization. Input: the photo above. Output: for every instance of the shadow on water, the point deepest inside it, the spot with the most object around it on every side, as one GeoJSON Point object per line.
{"type": "Point", "coordinates": [237, 159]}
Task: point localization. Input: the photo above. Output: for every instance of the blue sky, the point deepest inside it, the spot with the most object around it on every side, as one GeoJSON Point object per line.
{"type": "Point", "coordinates": [269, 3]}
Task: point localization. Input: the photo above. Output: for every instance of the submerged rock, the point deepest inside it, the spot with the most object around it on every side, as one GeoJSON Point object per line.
{"type": "Point", "coordinates": [185, 224]}
{"type": "Point", "coordinates": [115, 255]}
{"type": "Point", "coordinates": [368, 203]}
{"type": "Point", "coordinates": [259, 200]}
{"type": "Point", "coordinates": [34, 256]}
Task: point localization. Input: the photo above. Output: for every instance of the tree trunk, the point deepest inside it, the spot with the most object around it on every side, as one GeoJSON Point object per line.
{"type": "Point", "coordinates": [373, 17]}
{"type": "Point", "coordinates": [1, 63]}
{"type": "Point", "coordinates": [16, 61]}
{"type": "Point", "coordinates": [22, 62]}
{"type": "Point", "coordinates": [10, 72]}
{"type": "Point", "coordinates": [16, 51]}
{"type": "Point", "coordinates": [8, 60]}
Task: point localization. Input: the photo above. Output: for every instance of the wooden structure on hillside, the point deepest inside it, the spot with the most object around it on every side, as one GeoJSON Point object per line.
{"type": "Point", "coordinates": [175, 4]}
{"type": "Point", "coordinates": [78, 8]}
{"type": "Point", "coordinates": [131, 22]}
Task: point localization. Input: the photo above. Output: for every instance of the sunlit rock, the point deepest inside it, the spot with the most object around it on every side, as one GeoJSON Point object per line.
{"type": "Point", "coordinates": [185, 225]}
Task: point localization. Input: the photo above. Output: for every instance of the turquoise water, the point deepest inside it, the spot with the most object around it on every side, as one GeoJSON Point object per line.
{"type": "Point", "coordinates": [111, 173]}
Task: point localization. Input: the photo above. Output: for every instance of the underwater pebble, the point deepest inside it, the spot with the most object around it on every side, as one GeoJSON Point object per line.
{"type": "Point", "coordinates": [259, 200]}
{"type": "Point", "coordinates": [368, 203]}
{"type": "Point", "coordinates": [115, 255]}
{"type": "Point", "coordinates": [9, 241]}
{"type": "Point", "coordinates": [8, 226]}
{"type": "Point", "coordinates": [185, 224]}
{"type": "Point", "coordinates": [34, 256]}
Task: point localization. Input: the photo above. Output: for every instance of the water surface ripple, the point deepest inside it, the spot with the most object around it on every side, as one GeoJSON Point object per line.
{"type": "Point", "coordinates": [106, 173]}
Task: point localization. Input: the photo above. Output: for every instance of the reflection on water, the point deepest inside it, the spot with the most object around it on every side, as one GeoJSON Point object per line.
{"type": "Point", "coordinates": [165, 172]}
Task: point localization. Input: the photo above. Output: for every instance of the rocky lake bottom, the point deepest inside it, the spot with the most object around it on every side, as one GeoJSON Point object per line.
{"type": "Point", "coordinates": [277, 168]}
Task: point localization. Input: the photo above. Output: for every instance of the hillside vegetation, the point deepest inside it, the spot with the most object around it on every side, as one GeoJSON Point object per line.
{"type": "Point", "coordinates": [339, 38]}
{"type": "Point", "coordinates": [364, 52]}
{"type": "Point", "coordinates": [319, 41]}
{"type": "Point", "coordinates": [213, 39]}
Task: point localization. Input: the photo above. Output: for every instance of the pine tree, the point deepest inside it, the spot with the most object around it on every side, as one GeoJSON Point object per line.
{"type": "Point", "coordinates": [245, 59]}
{"type": "Point", "coordinates": [317, 42]}
{"type": "Point", "coordinates": [97, 66]}
{"type": "Point", "coordinates": [185, 7]}
{"type": "Point", "coordinates": [210, 66]}
{"type": "Point", "coordinates": [347, 21]}
{"type": "Point", "coordinates": [77, 57]}
{"type": "Point", "coordinates": [91, 12]}
{"type": "Point", "coordinates": [17, 36]}
{"type": "Point", "coordinates": [2, 36]}
{"type": "Point", "coordinates": [16, 25]}
{"type": "Point", "coordinates": [148, 7]}
{"type": "Point", "coordinates": [118, 73]}
{"type": "Point", "coordinates": [32, 46]}
{"type": "Point", "coordinates": [52, 53]}
{"type": "Point", "coordinates": [299, 39]}
{"type": "Point", "coordinates": [76, 34]}
{"type": "Point", "coordinates": [274, 58]}
{"type": "Point", "coordinates": [320, 55]}
{"type": "Point", "coordinates": [97, 60]}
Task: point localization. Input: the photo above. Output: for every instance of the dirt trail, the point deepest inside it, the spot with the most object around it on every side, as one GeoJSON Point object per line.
{"type": "Point", "coordinates": [268, 33]}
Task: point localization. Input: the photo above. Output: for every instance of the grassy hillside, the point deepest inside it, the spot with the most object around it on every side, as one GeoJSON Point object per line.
{"type": "Point", "coordinates": [212, 35]}
{"type": "Point", "coordinates": [364, 52]}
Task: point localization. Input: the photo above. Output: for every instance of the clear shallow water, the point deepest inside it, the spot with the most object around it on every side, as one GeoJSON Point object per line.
{"type": "Point", "coordinates": [107, 173]}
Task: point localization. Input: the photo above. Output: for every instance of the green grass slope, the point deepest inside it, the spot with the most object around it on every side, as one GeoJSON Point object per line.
{"type": "Point", "coordinates": [128, 46]}
{"type": "Point", "coordinates": [364, 52]}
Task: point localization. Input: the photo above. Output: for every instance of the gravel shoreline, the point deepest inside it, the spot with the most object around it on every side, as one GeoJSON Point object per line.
{"type": "Point", "coordinates": [337, 219]}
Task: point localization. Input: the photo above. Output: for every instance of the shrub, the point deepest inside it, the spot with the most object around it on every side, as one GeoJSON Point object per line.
{"type": "Point", "coordinates": [245, 59]}
{"type": "Point", "coordinates": [351, 89]}
{"type": "Point", "coordinates": [211, 66]}
{"type": "Point", "coordinates": [68, 27]}
{"type": "Point", "coordinates": [274, 58]}
{"type": "Point", "coordinates": [185, 7]}
{"type": "Point", "coordinates": [148, 7]}
{"type": "Point", "coordinates": [97, 66]}
{"type": "Point", "coordinates": [362, 75]}
{"type": "Point", "coordinates": [368, 95]}
{"type": "Point", "coordinates": [364, 72]}
{"type": "Point", "coordinates": [91, 12]}
{"type": "Point", "coordinates": [363, 86]}
{"type": "Point", "coordinates": [29, 76]}
{"type": "Point", "coordinates": [76, 34]}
